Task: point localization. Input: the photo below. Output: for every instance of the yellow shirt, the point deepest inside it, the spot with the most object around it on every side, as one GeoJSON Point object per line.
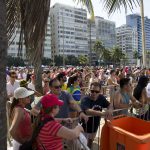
{"type": "Point", "coordinates": [64, 87]}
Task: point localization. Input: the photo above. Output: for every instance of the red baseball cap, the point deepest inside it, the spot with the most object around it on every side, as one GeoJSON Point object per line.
{"type": "Point", "coordinates": [50, 100]}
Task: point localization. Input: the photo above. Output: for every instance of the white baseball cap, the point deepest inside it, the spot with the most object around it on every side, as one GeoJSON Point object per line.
{"type": "Point", "coordinates": [22, 92]}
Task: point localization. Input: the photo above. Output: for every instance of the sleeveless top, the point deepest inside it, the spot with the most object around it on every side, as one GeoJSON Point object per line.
{"type": "Point", "coordinates": [24, 127]}
{"type": "Point", "coordinates": [125, 100]}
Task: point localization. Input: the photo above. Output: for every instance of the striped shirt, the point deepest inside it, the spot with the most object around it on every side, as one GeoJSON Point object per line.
{"type": "Point", "coordinates": [48, 136]}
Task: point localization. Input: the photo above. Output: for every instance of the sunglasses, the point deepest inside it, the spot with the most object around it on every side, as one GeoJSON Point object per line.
{"type": "Point", "coordinates": [57, 87]}
{"type": "Point", "coordinates": [46, 81]}
{"type": "Point", "coordinates": [93, 91]}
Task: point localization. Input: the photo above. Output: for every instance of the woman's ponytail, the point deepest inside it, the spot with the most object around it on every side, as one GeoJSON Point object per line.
{"type": "Point", "coordinates": [14, 103]}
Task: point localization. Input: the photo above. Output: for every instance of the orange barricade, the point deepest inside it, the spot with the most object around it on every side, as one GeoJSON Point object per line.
{"type": "Point", "coordinates": [126, 133]}
{"type": "Point", "coordinates": [104, 140]}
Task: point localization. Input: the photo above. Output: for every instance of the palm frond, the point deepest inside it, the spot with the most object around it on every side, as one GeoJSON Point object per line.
{"type": "Point", "coordinates": [34, 16]}
{"type": "Point", "coordinates": [12, 18]}
{"type": "Point", "coordinates": [112, 5]}
{"type": "Point", "coordinates": [89, 6]}
{"type": "Point", "coordinates": [31, 16]}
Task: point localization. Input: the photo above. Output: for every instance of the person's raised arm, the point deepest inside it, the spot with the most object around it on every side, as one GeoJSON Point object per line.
{"type": "Point", "coordinates": [70, 134]}
{"type": "Point", "coordinates": [145, 98]}
{"type": "Point", "coordinates": [135, 102]}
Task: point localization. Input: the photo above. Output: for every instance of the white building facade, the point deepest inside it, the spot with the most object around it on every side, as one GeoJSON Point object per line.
{"type": "Point", "coordinates": [69, 30]}
{"type": "Point", "coordinates": [47, 42]}
{"type": "Point", "coordinates": [13, 47]}
{"type": "Point", "coordinates": [105, 31]}
{"type": "Point", "coordinates": [127, 40]}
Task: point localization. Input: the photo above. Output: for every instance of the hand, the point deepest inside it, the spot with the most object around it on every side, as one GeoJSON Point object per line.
{"type": "Point", "coordinates": [108, 114]}
{"type": "Point", "coordinates": [68, 120]}
{"type": "Point", "coordinates": [83, 116]}
{"type": "Point", "coordinates": [34, 111]}
{"type": "Point", "coordinates": [80, 128]}
{"type": "Point", "coordinates": [137, 104]}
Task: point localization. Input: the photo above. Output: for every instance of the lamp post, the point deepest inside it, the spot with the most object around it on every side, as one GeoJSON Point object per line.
{"type": "Point", "coordinates": [143, 33]}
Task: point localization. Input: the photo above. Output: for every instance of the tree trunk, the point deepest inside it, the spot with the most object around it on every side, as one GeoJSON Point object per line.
{"type": "Point", "coordinates": [38, 69]}
{"type": "Point", "coordinates": [3, 54]}
{"type": "Point", "coordinates": [38, 75]}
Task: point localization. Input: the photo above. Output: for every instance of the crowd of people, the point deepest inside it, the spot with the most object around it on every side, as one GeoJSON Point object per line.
{"type": "Point", "coordinates": [84, 94]}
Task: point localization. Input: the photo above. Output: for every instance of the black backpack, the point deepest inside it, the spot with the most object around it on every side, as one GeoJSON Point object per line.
{"type": "Point", "coordinates": [30, 145]}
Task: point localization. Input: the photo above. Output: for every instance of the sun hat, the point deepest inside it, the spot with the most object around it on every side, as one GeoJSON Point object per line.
{"type": "Point", "coordinates": [22, 92]}
{"type": "Point", "coordinates": [50, 100]}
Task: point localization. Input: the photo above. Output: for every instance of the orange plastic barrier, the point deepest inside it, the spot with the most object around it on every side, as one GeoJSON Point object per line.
{"type": "Point", "coordinates": [126, 133]}
{"type": "Point", "coordinates": [104, 140]}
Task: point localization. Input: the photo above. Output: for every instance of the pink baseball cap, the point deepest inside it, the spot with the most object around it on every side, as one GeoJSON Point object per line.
{"type": "Point", "coordinates": [50, 100]}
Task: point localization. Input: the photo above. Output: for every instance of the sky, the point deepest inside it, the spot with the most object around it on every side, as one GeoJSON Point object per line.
{"type": "Point", "coordinates": [119, 16]}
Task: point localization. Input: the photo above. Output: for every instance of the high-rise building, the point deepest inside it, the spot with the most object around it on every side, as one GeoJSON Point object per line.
{"type": "Point", "coordinates": [134, 21]}
{"type": "Point", "coordinates": [13, 47]}
{"type": "Point", "coordinates": [47, 42]}
{"type": "Point", "coordinates": [105, 31]}
{"type": "Point", "coordinates": [91, 32]}
{"type": "Point", "coordinates": [69, 30]}
{"type": "Point", "coordinates": [127, 40]}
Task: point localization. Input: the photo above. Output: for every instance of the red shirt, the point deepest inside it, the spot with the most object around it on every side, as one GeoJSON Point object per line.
{"type": "Point", "coordinates": [48, 136]}
{"type": "Point", "coordinates": [25, 128]}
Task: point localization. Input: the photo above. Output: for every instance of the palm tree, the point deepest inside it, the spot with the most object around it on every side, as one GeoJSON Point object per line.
{"type": "Point", "coordinates": [117, 55]}
{"type": "Point", "coordinates": [83, 60]}
{"type": "Point", "coordinates": [99, 49]}
{"type": "Point", "coordinates": [135, 54]}
{"type": "Point", "coordinates": [32, 16]}
{"type": "Point", "coordinates": [107, 55]}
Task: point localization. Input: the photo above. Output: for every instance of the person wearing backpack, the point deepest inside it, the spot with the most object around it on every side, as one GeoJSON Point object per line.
{"type": "Point", "coordinates": [21, 129]}
{"type": "Point", "coordinates": [51, 135]}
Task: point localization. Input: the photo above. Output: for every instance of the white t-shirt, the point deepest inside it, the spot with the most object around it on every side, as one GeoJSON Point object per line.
{"type": "Point", "coordinates": [31, 86]}
{"type": "Point", "coordinates": [24, 76]}
{"type": "Point", "coordinates": [11, 88]}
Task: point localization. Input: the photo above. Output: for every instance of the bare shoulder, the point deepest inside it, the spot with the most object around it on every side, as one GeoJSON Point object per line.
{"type": "Point", "coordinates": [19, 110]}
{"type": "Point", "coordinates": [117, 93]}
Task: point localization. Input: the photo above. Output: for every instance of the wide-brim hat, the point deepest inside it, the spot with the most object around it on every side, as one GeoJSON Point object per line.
{"type": "Point", "coordinates": [22, 92]}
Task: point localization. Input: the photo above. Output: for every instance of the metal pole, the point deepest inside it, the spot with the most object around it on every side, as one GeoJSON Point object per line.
{"type": "Point", "coordinates": [63, 39]}
{"type": "Point", "coordinates": [143, 33]}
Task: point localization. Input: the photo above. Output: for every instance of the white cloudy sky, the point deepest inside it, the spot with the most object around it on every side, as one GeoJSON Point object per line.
{"type": "Point", "coordinates": [118, 17]}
